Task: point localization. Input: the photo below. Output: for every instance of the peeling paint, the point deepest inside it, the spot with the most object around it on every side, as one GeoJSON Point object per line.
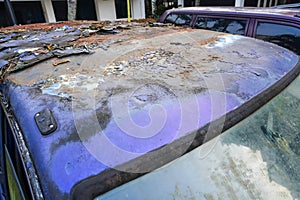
{"type": "Point", "coordinates": [182, 70]}
{"type": "Point", "coordinates": [64, 85]}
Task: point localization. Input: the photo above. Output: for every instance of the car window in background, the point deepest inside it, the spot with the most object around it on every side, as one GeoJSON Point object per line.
{"type": "Point", "coordinates": [179, 19]}
{"type": "Point", "coordinates": [232, 26]}
{"type": "Point", "coordinates": [283, 35]}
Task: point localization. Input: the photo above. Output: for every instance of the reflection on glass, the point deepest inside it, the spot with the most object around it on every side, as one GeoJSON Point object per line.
{"type": "Point", "coordinates": [232, 26]}
{"type": "Point", "coordinates": [282, 35]}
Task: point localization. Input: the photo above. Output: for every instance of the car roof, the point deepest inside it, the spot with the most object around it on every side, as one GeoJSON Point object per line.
{"type": "Point", "coordinates": [240, 10]}
{"type": "Point", "coordinates": [294, 5]}
{"type": "Point", "coordinates": [86, 74]}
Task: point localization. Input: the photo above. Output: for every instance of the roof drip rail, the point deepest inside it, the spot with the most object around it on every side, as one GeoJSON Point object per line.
{"type": "Point", "coordinates": [10, 11]}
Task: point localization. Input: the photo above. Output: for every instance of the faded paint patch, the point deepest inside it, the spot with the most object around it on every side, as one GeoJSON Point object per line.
{"type": "Point", "coordinates": [224, 41]}
{"type": "Point", "coordinates": [66, 85]}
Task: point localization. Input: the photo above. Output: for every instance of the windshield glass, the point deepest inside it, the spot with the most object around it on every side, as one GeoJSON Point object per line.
{"type": "Point", "coordinates": [259, 158]}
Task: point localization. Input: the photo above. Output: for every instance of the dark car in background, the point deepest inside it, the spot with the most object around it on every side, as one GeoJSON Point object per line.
{"type": "Point", "coordinates": [279, 26]}
{"type": "Point", "coordinates": [98, 110]}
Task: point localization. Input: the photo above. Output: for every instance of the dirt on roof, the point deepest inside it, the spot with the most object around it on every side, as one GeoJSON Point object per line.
{"type": "Point", "coordinates": [25, 45]}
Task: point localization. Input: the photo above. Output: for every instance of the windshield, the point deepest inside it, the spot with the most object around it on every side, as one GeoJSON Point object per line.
{"type": "Point", "coordinates": [259, 158]}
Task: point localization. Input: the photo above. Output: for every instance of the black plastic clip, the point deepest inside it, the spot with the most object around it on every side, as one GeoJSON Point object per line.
{"type": "Point", "coordinates": [45, 121]}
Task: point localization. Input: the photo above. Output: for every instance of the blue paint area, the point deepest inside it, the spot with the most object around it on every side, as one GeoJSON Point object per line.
{"type": "Point", "coordinates": [76, 151]}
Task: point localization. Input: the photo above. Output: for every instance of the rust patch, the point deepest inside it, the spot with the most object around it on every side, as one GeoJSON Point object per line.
{"type": "Point", "coordinates": [4, 72]}
{"type": "Point", "coordinates": [91, 39]}
{"type": "Point", "coordinates": [211, 58]}
{"type": "Point", "coordinates": [77, 23]}
{"type": "Point", "coordinates": [185, 73]}
{"type": "Point", "coordinates": [207, 41]}
{"type": "Point", "coordinates": [46, 26]}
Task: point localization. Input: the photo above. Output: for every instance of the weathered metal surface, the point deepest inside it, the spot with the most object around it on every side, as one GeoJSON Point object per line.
{"type": "Point", "coordinates": [23, 47]}
{"type": "Point", "coordinates": [105, 103]}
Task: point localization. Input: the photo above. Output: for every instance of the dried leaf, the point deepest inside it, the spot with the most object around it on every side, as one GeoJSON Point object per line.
{"type": "Point", "coordinates": [60, 61]}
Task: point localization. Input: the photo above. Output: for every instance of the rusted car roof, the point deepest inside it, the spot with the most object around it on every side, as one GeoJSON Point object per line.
{"type": "Point", "coordinates": [118, 93]}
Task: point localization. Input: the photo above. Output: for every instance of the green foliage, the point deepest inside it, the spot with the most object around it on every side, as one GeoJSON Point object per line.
{"type": "Point", "coordinates": [160, 8]}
